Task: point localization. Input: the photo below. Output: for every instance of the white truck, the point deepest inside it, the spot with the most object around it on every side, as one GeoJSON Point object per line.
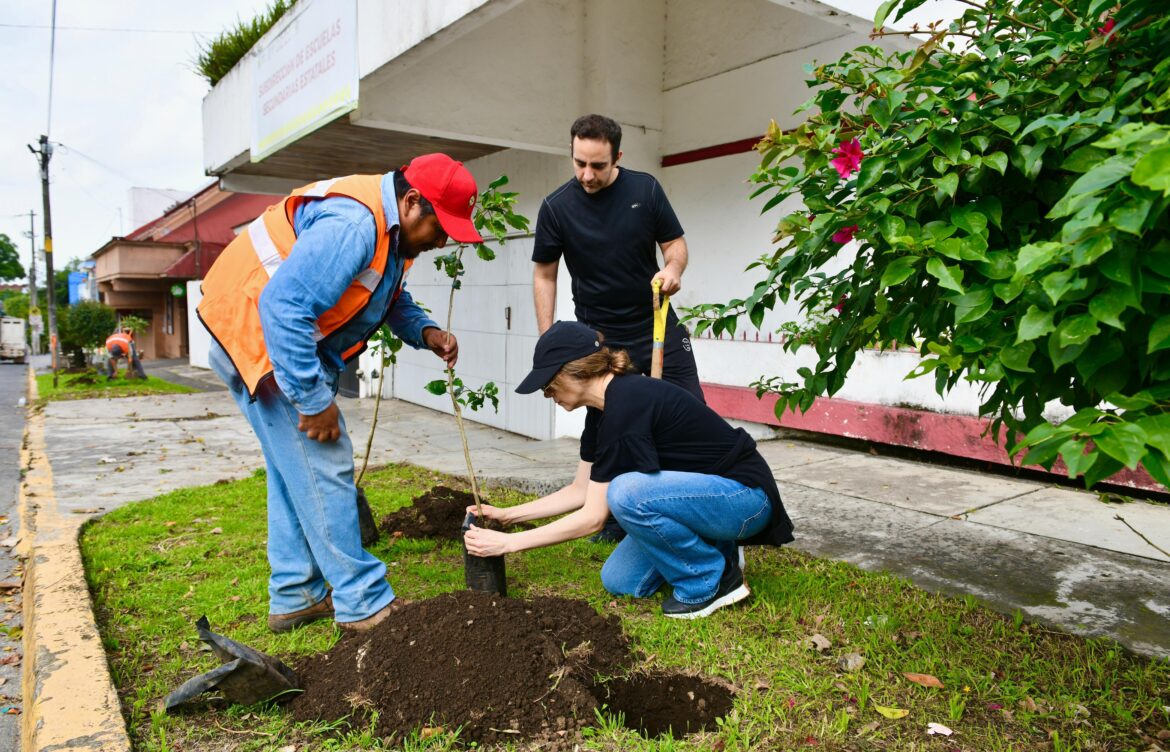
{"type": "Point", "coordinates": [12, 343]}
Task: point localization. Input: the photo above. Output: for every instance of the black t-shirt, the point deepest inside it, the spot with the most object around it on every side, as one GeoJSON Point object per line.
{"type": "Point", "coordinates": [609, 240]}
{"type": "Point", "coordinates": [650, 425]}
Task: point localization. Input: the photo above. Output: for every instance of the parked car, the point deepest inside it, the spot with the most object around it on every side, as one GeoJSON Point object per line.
{"type": "Point", "coordinates": [12, 340]}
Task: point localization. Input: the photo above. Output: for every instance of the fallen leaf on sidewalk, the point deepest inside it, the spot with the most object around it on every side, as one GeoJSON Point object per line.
{"type": "Point", "coordinates": [10, 659]}
{"type": "Point", "coordinates": [925, 680]}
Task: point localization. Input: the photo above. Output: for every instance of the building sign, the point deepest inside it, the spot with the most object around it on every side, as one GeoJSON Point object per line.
{"type": "Point", "coordinates": [305, 76]}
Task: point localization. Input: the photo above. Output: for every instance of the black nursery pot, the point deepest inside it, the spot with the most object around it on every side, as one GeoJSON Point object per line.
{"type": "Point", "coordinates": [483, 574]}
{"type": "Point", "coordinates": [366, 522]}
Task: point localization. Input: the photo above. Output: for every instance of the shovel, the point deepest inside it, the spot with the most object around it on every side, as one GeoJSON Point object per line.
{"type": "Point", "coordinates": [661, 309]}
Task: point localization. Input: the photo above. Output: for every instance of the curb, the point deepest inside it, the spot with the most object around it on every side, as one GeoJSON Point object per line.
{"type": "Point", "coordinates": [69, 697]}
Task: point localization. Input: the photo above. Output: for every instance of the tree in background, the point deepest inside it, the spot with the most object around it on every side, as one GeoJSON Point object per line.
{"type": "Point", "coordinates": [1006, 187]}
{"type": "Point", "coordinates": [85, 326]}
{"type": "Point", "coordinates": [16, 304]}
{"type": "Point", "coordinates": [10, 266]}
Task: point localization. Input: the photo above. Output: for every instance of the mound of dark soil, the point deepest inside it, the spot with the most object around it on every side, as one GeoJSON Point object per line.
{"type": "Point", "coordinates": [438, 513]}
{"type": "Point", "coordinates": [499, 669]}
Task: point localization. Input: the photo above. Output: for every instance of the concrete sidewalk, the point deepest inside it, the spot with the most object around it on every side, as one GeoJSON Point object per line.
{"type": "Point", "coordinates": [1060, 556]}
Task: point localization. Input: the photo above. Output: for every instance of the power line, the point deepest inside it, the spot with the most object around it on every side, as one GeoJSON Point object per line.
{"type": "Point", "coordinates": [104, 28]}
{"type": "Point", "coordinates": [52, 55]}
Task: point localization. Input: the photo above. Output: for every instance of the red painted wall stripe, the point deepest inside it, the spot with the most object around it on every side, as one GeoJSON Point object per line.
{"type": "Point", "coordinates": [711, 152]}
{"type": "Point", "coordinates": [956, 435]}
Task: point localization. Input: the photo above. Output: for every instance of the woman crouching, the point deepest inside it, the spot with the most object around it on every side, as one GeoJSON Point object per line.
{"type": "Point", "coordinates": [687, 488]}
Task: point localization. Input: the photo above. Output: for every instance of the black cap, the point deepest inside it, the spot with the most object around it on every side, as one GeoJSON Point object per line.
{"type": "Point", "coordinates": [564, 342]}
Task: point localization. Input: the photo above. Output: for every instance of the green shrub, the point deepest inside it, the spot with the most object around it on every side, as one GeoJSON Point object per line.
{"type": "Point", "coordinates": [219, 55]}
{"type": "Point", "coordinates": [84, 326]}
{"type": "Point", "coordinates": [1007, 186]}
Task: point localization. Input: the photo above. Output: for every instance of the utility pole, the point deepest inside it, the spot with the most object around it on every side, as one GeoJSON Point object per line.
{"type": "Point", "coordinates": [33, 302]}
{"type": "Point", "coordinates": [44, 154]}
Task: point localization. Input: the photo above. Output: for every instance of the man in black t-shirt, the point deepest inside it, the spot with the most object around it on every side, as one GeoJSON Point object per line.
{"type": "Point", "coordinates": [607, 222]}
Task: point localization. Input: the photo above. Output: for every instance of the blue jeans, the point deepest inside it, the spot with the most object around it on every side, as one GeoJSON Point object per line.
{"type": "Point", "coordinates": [681, 528]}
{"type": "Point", "coordinates": [313, 532]}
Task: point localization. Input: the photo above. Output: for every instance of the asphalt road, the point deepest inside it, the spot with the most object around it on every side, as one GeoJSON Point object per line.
{"type": "Point", "coordinates": [13, 384]}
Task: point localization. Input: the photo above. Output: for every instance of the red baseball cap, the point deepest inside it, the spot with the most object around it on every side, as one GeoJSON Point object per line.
{"type": "Point", "coordinates": [451, 189]}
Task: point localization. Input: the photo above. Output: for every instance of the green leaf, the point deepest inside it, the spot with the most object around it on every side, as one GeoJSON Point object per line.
{"type": "Point", "coordinates": [947, 142]}
{"type": "Point", "coordinates": [1107, 307]}
{"type": "Point", "coordinates": [1153, 170]}
{"type": "Point", "coordinates": [437, 387]}
{"type": "Point", "coordinates": [1077, 330]}
{"type": "Point", "coordinates": [1001, 88]}
{"type": "Point", "coordinates": [971, 306]}
{"type": "Point", "coordinates": [1102, 467]}
{"type": "Point", "coordinates": [950, 277]}
{"type": "Point", "coordinates": [1059, 284]}
{"type": "Point", "coordinates": [879, 18]}
{"type": "Point", "coordinates": [1016, 357]}
{"type": "Point", "coordinates": [1124, 442]}
{"type": "Point", "coordinates": [1008, 123]}
{"type": "Point", "coordinates": [899, 270]}
{"type": "Point", "coordinates": [997, 161]}
{"type": "Point", "coordinates": [1159, 335]}
{"type": "Point", "coordinates": [1036, 256]}
{"type": "Point", "coordinates": [1157, 466]}
{"type": "Point", "coordinates": [1157, 428]}
{"type": "Point", "coordinates": [1034, 324]}
{"type": "Point", "coordinates": [1130, 216]}
{"type": "Point", "coordinates": [907, 6]}
{"type": "Point", "coordinates": [1084, 159]}
{"type": "Point", "coordinates": [1102, 176]}
{"type": "Point", "coordinates": [871, 171]}
{"type": "Point", "coordinates": [946, 186]}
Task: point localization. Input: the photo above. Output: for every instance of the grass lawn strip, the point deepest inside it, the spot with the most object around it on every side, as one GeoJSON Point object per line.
{"type": "Point", "coordinates": [93, 385]}
{"type": "Point", "coordinates": [155, 566]}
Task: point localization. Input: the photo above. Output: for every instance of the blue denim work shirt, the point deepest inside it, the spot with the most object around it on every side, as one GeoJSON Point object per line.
{"type": "Point", "coordinates": [336, 239]}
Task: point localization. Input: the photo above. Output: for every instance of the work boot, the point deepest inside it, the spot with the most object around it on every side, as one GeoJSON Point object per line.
{"type": "Point", "coordinates": [322, 609]}
{"type": "Point", "coordinates": [365, 625]}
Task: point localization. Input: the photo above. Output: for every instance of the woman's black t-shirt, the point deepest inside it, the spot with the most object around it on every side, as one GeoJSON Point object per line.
{"type": "Point", "coordinates": [650, 425]}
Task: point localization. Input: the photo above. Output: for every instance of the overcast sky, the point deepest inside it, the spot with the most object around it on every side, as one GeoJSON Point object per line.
{"type": "Point", "coordinates": [126, 110]}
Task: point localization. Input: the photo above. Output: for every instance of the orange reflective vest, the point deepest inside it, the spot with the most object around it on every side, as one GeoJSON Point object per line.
{"type": "Point", "coordinates": [123, 341]}
{"type": "Point", "coordinates": [231, 290]}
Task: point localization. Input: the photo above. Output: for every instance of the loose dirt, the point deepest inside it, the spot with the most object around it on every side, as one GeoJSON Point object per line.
{"type": "Point", "coordinates": [438, 513]}
{"type": "Point", "coordinates": [498, 669]}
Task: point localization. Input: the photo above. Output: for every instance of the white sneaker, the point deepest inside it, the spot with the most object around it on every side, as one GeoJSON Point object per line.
{"type": "Point", "coordinates": [741, 559]}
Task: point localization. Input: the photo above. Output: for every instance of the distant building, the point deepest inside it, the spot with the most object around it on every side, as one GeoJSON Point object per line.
{"type": "Point", "coordinates": [146, 272]}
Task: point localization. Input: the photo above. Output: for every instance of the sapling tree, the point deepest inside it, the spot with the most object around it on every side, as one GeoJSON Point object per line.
{"type": "Point", "coordinates": [385, 346]}
{"type": "Point", "coordinates": [1006, 188]}
{"type": "Point", "coordinates": [494, 215]}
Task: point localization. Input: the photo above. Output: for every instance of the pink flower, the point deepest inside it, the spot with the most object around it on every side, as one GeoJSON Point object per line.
{"type": "Point", "coordinates": [841, 304]}
{"type": "Point", "coordinates": [1107, 27]}
{"type": "Point", "coordinates": [845, 234]}
{"type": "Point", "coordinates": [848, 159]}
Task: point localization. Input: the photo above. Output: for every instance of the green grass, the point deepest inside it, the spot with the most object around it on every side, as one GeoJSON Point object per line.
{"type": "Point", "coordinates": [93, 385]}
{"type": "Point", "coordinates": [155, 566]}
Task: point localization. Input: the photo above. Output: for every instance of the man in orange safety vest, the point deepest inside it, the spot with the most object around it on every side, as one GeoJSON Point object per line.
{"type": "Point", "coordinates": [288, 302]}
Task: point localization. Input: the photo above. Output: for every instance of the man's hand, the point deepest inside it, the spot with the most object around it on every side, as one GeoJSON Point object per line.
{"type": "Point", "coordinates": [483, 542]}
{"type": "Point", "coordinates": [442, 344]}
{"type": "Point", "coordinates": [323, 426]}
{"type": "Point", "coordinates": [671, 280]}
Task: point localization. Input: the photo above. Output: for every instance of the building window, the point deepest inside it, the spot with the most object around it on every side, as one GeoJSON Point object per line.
{"type": "Point", "coordinates": [170, 314]}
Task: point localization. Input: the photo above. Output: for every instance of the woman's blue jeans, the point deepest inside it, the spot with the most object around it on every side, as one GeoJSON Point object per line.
{"type": "Point", "coordinates": [313, 531]}
{"type": "Point", "coordinates": [681, 528]}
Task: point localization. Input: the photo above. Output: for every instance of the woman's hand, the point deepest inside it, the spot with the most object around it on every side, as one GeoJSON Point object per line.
{"type": "Point", "coordinates": [490, 512]}
{"type": "Point", "coordinates": [483, 542]}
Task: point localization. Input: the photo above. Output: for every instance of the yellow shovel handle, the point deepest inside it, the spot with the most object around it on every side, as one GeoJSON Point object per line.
{"type": "Point", "coordinates": [661, 309]}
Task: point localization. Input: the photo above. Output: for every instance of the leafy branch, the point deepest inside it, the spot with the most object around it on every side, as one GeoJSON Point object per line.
{"type": "Point", "coordinates": [494, 215]}
{"type": "Point", "coordinates": [386, 345]}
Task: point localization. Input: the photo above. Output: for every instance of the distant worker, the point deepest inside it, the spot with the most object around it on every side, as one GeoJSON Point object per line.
{"type": "Point", "coordinates": [121, 344]}
{"type": "Point", "coordinates": [608, 222]}
{"type": "Point", "coordinates": [288, 303]}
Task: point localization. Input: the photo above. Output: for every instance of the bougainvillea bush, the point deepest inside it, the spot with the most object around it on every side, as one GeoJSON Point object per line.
{"type": "Point", "coordinates": [1006, 188]}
